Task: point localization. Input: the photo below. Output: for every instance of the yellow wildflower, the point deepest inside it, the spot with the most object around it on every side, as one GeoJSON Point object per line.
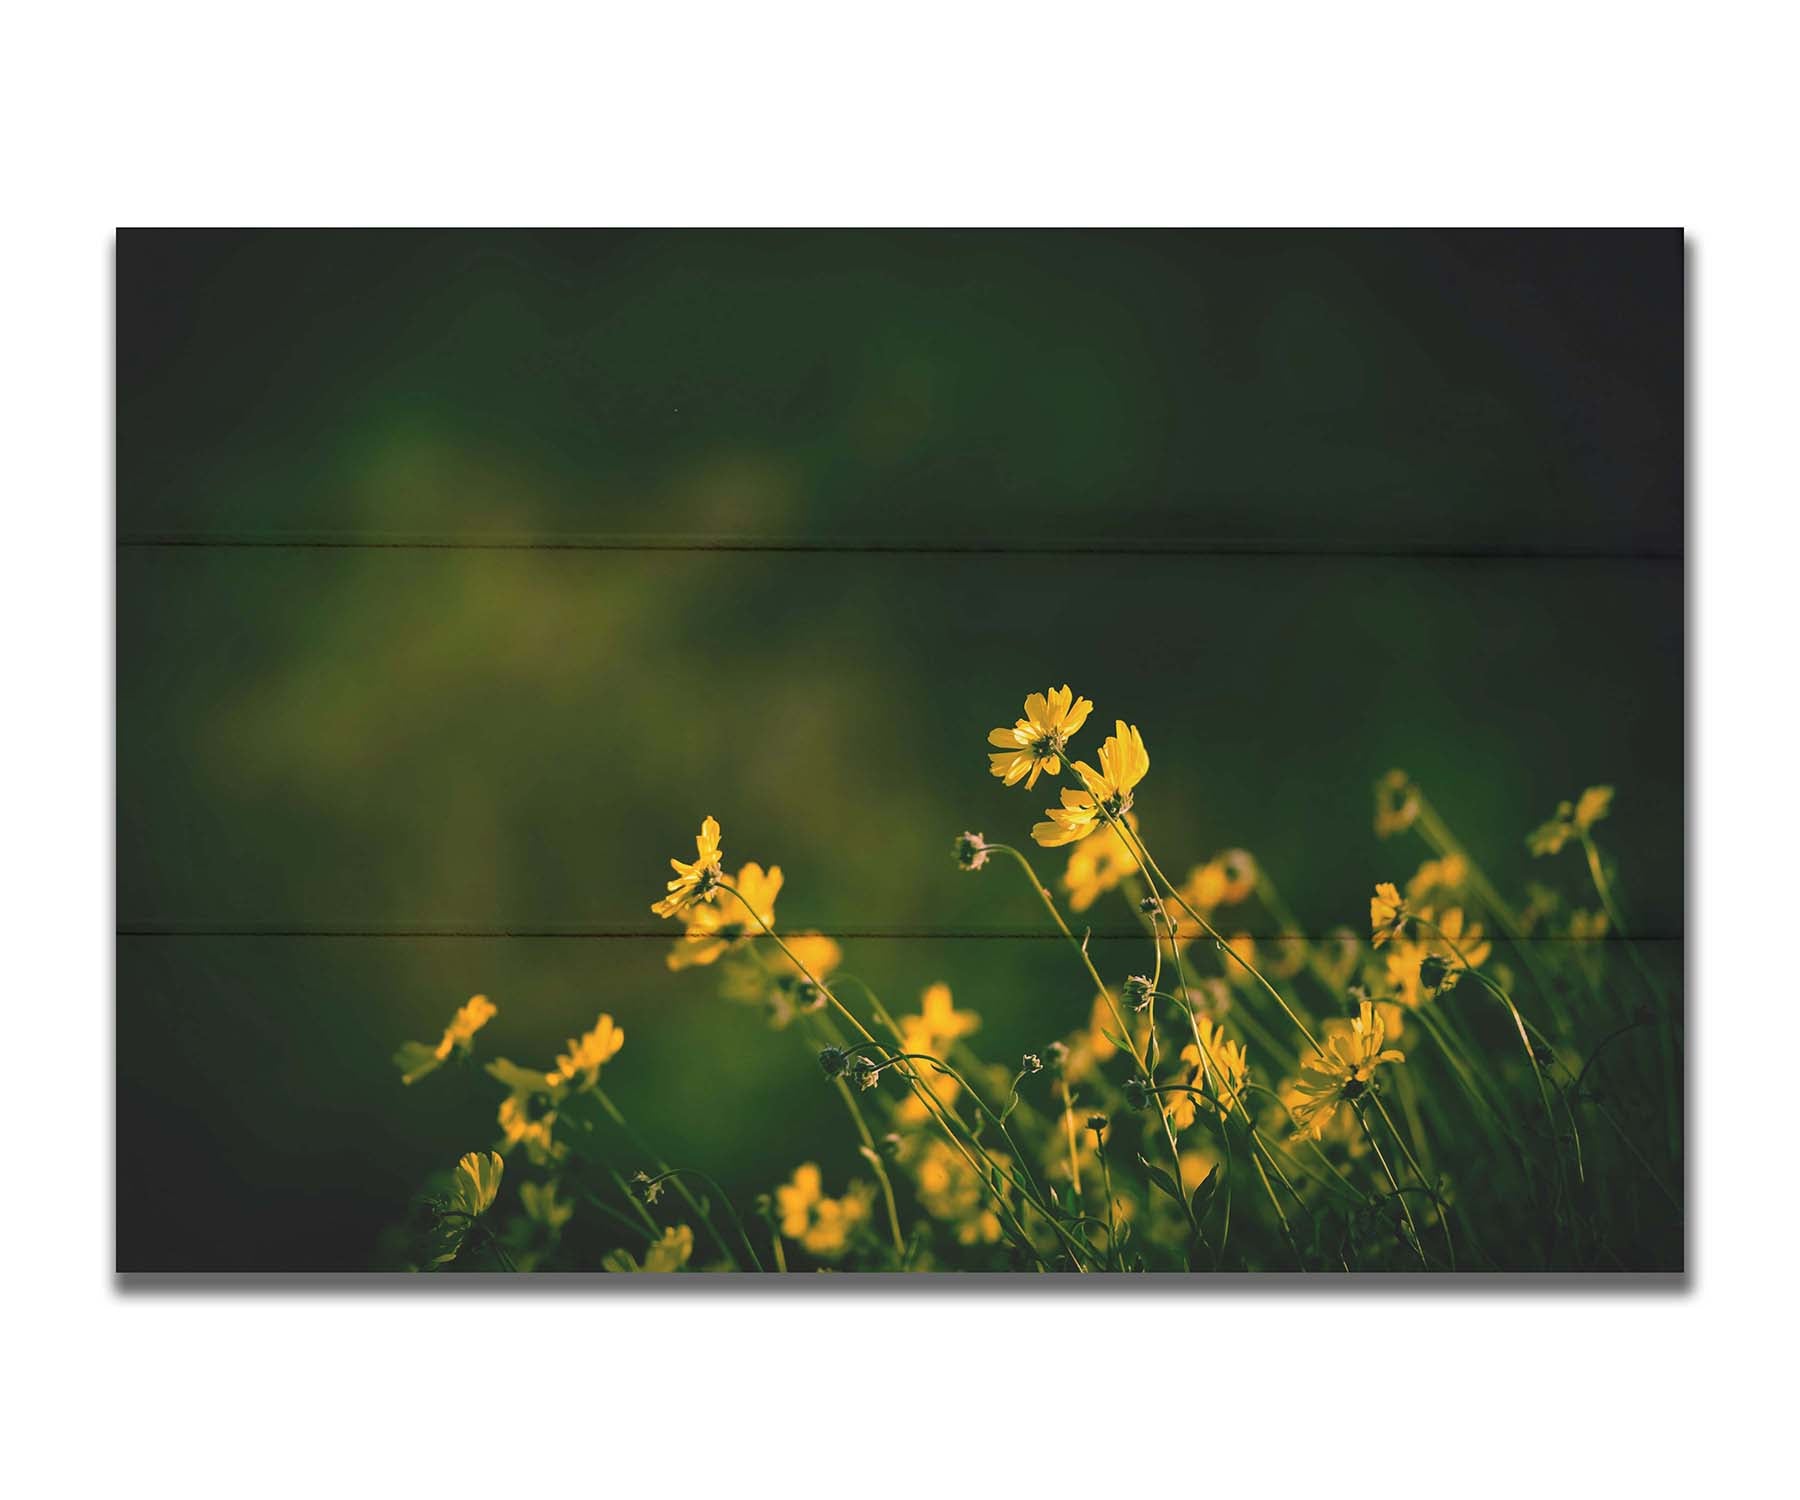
{"type": "Point", "coordinates": [695, 881]}
{"type": "Point", "coordinates": [473, 1187]}
{"type": "Point", "coordinates": [1448, 874]}
{"type": "Point", "coordinates": [1224, 880]}
{"type": "Point", "coordinates": [1223, 1077]}
{"type": "Point", "coordinates": [528, 1112]}
{"type": "Point", "coordinates": [1343, 1072]}
{"type": "Point", "coordinates": [1339, 1132]}
{"type": "Point", "coordinates": [670, 1253]}
{"type": "Point", "coordinates": [416, 1059]}
{"type": "Point", "coordinates": [1097, 866]}
{"type": "Point", "coordinates": [541, 1205]}
{"type": "Point", "coordinates": [1587, 926]}
{"type": "Point", "coordinates": [1540, 902]}
{"type": "Point", "coordinates": [775, 980]}
{"type": "Point", "coordinates": [822, 1226]}
{"type": "Point", "coordinates": [1289, 955]}
{"type": "Point", "coordinates": [938, 1023]}
{"type": "Point", "coordinates": [588, 1053]}
{"type": "Point", "coordinates": [1572, 820]}
{"type": "Point", "coordinates": [1037, 742]}
{"type": "Point", "coordinates": [951, 1190]}
{"type": "Point", "coordinates": [1468, 940]}
{"type": "Point", "coordinates": [1428, 963]}
{"type": "Point", "coordinates": [1587, 931]}
{"type": "Point", "coordinates": [1594, 804]}
{"type": "Point", "coordinates": [1239, 958]}
{"type": "Point", "coordinates": [1396, 804]}
{"type": "Point", "coordinates": [1124, 762]}
{"type": "Point", "coordinates": [1092, 1047]}
{"type": "Point", "coordinates": [1385, 912]}
{"type": "Point", "coordinates": [713, 930]}
{"type": "Point", "coordinates": [526, 1120]}
{"type": "Point", "coordinates": [476, 1183]}
{"type": "Point", "coordinates": [944, 1087]}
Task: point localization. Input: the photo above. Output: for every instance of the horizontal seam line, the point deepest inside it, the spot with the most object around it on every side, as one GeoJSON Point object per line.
{"type": "Point", "coordinates": [667, 934]}
{"type": "Point", "coordinates": [1251, 547]}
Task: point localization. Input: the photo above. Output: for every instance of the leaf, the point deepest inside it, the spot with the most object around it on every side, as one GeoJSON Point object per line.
{"type": "Point", "coordinates": [1203, 1195]}
{"type": "Point", "coordinates": [1163, 1180]}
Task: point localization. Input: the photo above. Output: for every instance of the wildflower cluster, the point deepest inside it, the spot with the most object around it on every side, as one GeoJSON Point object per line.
{"type": "Point", "coordinates": [1231, 1096]}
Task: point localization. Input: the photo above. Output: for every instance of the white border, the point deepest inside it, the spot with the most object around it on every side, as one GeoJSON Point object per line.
{"type": "Point", "coordinates": [927, 114]}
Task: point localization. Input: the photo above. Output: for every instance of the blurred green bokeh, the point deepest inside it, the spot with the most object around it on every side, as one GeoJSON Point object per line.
{"type": "Point", "coordinates": [1444, 474]}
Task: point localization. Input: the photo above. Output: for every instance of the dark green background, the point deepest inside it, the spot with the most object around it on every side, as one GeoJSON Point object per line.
{"type": "Point", "coordinates": [776, 526]}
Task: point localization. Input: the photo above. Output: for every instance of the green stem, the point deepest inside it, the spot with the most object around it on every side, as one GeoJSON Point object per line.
{"type": "Point", "coordinates": [1419, 1172]}
{"type": "Point", "coordinates": [1149, 863]}
{"type": "Point", "coordinates": [730, 1208]}
{"type": "Point", "coordinates": [1099, 985]}
{"type": "Point", "coordinates": [1394, 1182]}
{"type": "Point", "coordinates": [692, 1202]}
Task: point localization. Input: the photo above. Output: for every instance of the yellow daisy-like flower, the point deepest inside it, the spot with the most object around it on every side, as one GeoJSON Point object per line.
{"type": "Point", "coordinates": [775, 980]}
{"type": "Point", "coordinates": [1097, 866]}
{"type": "Point", "coordinates": [913, 1110]}
{"type": "Point", "coordinates": [1450, 873]}
{"type": "Point", "coordinates": [1224, 880]}
{"type": "Point", "coordinates": [938, 1023]}
{"type": "Point", "coordinates": [1386, 910]}
{"type": "Point", "coordinates": [416, 1059]}
{"type": "Point", "coordinates": [670, 1253]}
{"type": "Point", "coordinates": [822, 1226]}
{"type": "Point", "coordinates": [1226, 1071]}
{"type": "Point", "coordinates": [1587, 931]}
{"type": "Point", "coordinates": [589, 1053]}
{"type": "Point", "coordinates": [1427, 963]}
{"type": "Point", "coordinates": [695, 881]}
{"type": "Point", "coordinates": [931, 1032]}
{"type": "Point", "coordinates": [541, 1206]}
{"type": "Point", "coordinates": [1343, 1072]}
{"type": "Point", "coordinates": [795, 1198]}
{"type": "Point", "coordinates": [712, 930]}
{"type": "Point", "coordinates": [1038, 741]}
{"type": "Point", "coordinates": [474, 1186]}
{"type": "Point", "coordinates": [1338, 953]}
{"type": "Point", "coordinates": [1594, 804]}
{"type": "Point", "coordinates": [1467, 937]}
{"type": "Point", "coordinates": [1286, 955]}
{"type": "Point", "coordinates": [1587, 926]}
{"type": "Point", "coordinates": [1572, 820]}
{"type": "Point", "coordinates": [527, 1120]}
{"type": "Point", "coordinates": [1092, 1047]}
{"type": "Point", "coordinates": [1242, 948]}
{"type": "Point", "coordinates": [528, 1112]}
{"type": "Point", "coordinates": [1339, 1133]}
{"type": "Point", "coordinates": [950, 1190]}
{"type": "Point", "coordinates": [1107, 792]}
{"type": "Point", "coordinates": [476, 1182]}
{"type": "Point", "coordinates": [1396, 804]}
